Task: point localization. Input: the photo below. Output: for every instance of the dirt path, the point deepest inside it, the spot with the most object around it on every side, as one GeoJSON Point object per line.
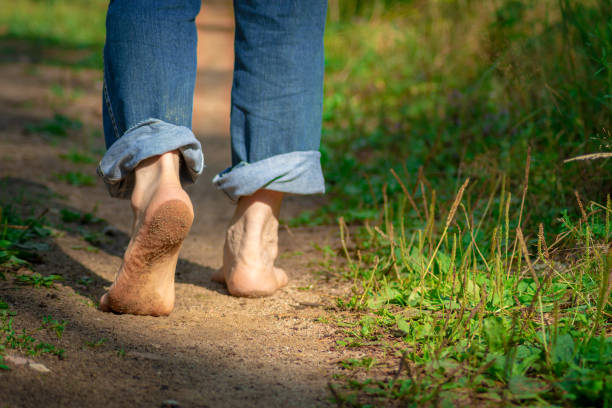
{"type": "Point", "coordinates": [214, 350]}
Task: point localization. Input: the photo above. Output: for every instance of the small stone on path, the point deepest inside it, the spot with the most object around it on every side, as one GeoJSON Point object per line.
{"type": "Point", "coordinates": [41, 368]}
{"type": "Point", "coordinates": [18, 361]}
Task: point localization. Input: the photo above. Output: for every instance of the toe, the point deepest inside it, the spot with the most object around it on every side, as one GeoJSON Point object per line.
{"type": "Point", "coordinates": [105, 303]}
{"type": "Point", "coordinates": [218, 276]}
{"type": "Point", "coordinates": [281, 277]}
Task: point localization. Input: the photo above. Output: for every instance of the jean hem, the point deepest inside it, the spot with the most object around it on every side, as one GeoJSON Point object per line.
{"type": "Point", "coordinates": [295, 173]}
{"type": "Point", "coordinates": [149, 138]}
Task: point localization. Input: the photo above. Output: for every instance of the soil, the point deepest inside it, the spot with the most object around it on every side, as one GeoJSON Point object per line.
{"type": "Point", "coordinates": [214, 350]}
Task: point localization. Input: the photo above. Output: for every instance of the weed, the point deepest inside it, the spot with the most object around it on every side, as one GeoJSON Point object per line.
{"type": "Point", "coordinates": [77, 42]}
{"type": "Point", "coordinates": [322, 319]}
{"type": "Point", "coordinates": [76, 216]}
{"type": "Point", "coordinates": [85, 281]}
{"type": "Point", "coordinates": [76, 178]}
{"type": "Point", "coordinates": [3, 307]}
{"type": "Point", "coordinates": [89, 303]}
{"type": "Point", "coordinates": [87, 248]}
{"type": "Point", "coordinates": [516, 73]}
{"type": "Point", "coordinates": [55, 325]}
{"type": "Point", "coordinates": [352, 363]}
{"type": "Point", "coordinates": [96, 343]}
{"type": "Point", "coordinates": [77, 157]}
{"type": "Point", "coordinates": [18, 245]}
{"type": "Point", "coordinates": [483, 288]}
{"type": "Point", "coordinates": [24, 340]}
{"type": "Point", "coordinates": [37, 280]}
{"type": "Point", "coordinates": [94, 238]}
{"type": "Point", "coordinates": [499, 318]}
{"type": "Point", "coordinates": [83, 22]}
{"type": "Point", "coordinates": [2, 365]}
{"type": "Point", "coordinates": [58, 126]}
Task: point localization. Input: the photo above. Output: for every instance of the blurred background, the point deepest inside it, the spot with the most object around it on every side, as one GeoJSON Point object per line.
{"type": "Point", "coordinates": [437, 90]}
{"type": "Point", "coordinates": [420, 95]}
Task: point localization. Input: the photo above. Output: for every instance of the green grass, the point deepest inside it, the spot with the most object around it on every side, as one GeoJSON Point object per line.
{"type": "Point", "coordinates": [37, 280]}
{"type": "Point", "coordinates": [498, 295]}
{"type": "Point", "coordinates": [76, 157]}
{"type": "Point", "coordinates": [76, 178]}
{"type": "Point", "coordinates": [20, 239]}
{"type": "Point", "coordinates": [23, 339]}
{"type": "Point", "coordinates": [72, 216]}
{"type": "Point", "coordinates": [440, 91]}
{"type": "Point", "coordinates": [96, 343]}
{"type": "Point", "coordinates": [82, 21]}
{"type": "Point", "coordinates": [57, 127]}
{"type": "Point", "coordinates": [482, 320]}
{"type": "Point", "coordinates": [73, 30]}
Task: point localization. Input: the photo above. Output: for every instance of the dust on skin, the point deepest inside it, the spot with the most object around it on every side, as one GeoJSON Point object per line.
{"type": "Point", "coordinates": [145, 282]}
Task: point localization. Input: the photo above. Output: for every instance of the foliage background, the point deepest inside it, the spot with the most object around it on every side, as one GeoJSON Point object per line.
{"type": "Point", "coordinates": [494, 292]}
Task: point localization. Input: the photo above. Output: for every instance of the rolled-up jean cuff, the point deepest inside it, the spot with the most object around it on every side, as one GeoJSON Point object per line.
{"type": "Point", "coordinates": [149, 138]}
{"type": "Point", "coordinates": [295, 172]}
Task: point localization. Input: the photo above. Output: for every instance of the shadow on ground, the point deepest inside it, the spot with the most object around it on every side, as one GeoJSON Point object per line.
{"type": "Point", "coordinates": [49, 51]}
{"type": "Point", "coordinates": [37, 200]}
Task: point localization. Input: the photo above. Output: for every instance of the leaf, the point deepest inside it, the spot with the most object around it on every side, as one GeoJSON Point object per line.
{"type": "Point", "coordinates": [444, 262]}
{"type": "Point", "coordinates": [33, 246]}
{"type": "Point", "coordinates": [70, 216]}
{"type": "Point", "coordinates": [416, 260]}
{"type": "Point", "coordinates": [563, 350]}
{"type": "Point", "coordinates": [402, 324]}
{"type": "Point", "coordinates": [495, 333]}
{"type": "Point", "coordinates": [387, 295]}
{"type": "Point", "coordinates": [526, 358]}
{"type": "Point", "coordinates": [525, 388]}
{"type": "Point", "coordinates": [422, 330]}
{"type": "Point", "coordinates": [472, 290]}
{"type": "Point", "coordinates": [416, 296]}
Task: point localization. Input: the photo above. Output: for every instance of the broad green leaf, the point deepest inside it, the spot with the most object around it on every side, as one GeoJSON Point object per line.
{"type": "Point", "coordinates": [563, 350]}
{"type": "Point", "coordinates": [525, 388]}
{"type": "Point", "coordinates": [402, 324]}
{"type": "Point", "coordinates": [495, 333]}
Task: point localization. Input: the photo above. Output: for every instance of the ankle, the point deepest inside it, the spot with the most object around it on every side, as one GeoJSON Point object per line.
{"type": "Point", "coordinates": [152, 173]}
{"type": "Point", "coordinates": [169, 166]}
{"type": "Point", "coordinates": [258, 206]}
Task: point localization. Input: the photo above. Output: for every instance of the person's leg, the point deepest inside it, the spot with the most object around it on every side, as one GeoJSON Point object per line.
{"type": "Point", "coordinates": [149, 78]}
{"type": "Point", "coordinates": [277, 98]}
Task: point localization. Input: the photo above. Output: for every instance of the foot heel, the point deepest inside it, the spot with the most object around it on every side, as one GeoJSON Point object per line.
{"type": "Point", "coordinates": [167, 230]}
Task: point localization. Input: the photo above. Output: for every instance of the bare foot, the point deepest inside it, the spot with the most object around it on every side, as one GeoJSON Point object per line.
{"type": "Point", "coordinates": [251, 247]}
{"type": "Point", "coordinates": [163, 215]}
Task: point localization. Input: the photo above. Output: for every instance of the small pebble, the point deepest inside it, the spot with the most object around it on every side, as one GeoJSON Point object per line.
{"type": "Point", "coordinates": [39, 367]}
{"type": "Point", "coordinates": [16, 360]}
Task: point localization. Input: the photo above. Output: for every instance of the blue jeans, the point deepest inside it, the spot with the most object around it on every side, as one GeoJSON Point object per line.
{"type": "Point", "coordinates": [277, 93]}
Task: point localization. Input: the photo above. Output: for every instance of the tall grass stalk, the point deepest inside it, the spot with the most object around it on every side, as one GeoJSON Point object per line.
{"type": "Point", "coordinates": [519, 326]}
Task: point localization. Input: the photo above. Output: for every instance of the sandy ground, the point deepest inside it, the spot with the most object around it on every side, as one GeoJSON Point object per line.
{"type": "Point", "coordinates": [214, 350]}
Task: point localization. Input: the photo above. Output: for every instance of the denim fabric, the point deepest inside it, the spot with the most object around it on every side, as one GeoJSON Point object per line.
{"type": "Point", "coordinates": [147, 139]}
{"type": "Point", "coordinates": [277, 93]}
{"type": "Point", "coordinates": [295, 172]}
